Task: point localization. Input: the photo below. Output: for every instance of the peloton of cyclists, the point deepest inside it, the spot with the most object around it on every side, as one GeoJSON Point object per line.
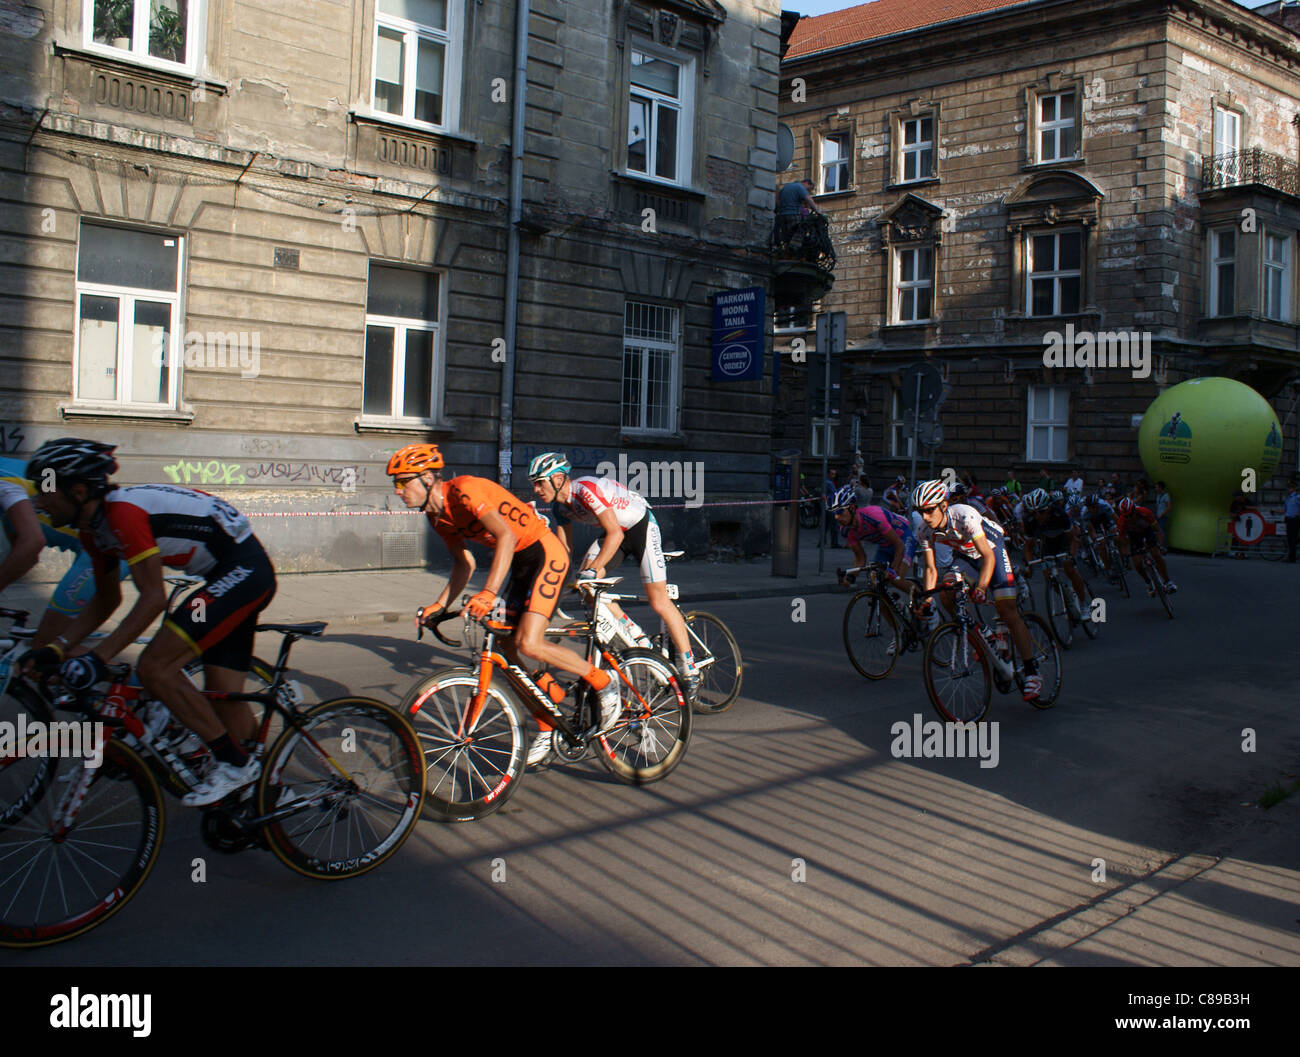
{"type": "Point", "coordinates": [1047, 521]}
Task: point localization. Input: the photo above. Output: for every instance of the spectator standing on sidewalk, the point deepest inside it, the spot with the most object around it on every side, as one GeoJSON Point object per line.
{"type": "Point", "coordinates": [1045, 481]}
{"type": "Point", "coordinates": [830, 527]}
{"type": "Point", "coordinates": [1163, 501]}
{"type": "Point", "coordinates": [1012, 485]}
{"type": "Point", "coordinates": [1292, 519]}
{"type": "Point", "coordinates": [1075, 482]}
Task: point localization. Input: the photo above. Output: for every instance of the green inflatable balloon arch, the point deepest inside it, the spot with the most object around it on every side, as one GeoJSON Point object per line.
{"type": "Point", "coordinates": [1200, 438]}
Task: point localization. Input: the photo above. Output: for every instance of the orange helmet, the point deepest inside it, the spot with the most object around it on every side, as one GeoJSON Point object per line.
{"type": "Point", "coordinates": [415, 458]}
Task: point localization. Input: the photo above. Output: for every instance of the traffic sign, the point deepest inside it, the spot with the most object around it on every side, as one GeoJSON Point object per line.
{"type": "Point", "coordinates": [931, 390]}
{"type": "Point", "coordinates": [1250, 527]}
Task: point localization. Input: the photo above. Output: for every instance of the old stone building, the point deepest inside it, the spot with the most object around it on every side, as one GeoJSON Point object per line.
{"type": "Point", "coordinates": [1007, 179]}
{"type": "Point", "coordinates": [260, 246]}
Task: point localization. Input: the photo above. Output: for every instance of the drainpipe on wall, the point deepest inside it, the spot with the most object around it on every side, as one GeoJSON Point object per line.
{"type": "Point", "coordinates": [505, 426]}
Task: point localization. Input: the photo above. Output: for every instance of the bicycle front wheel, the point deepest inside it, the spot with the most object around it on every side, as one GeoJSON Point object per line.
{"type": "Point", "coordinates": [24, 778]}
{"type": "Point", "coordinates": [1161, 593]}
{"type": "Point", "coordinates": [957, 674]}
{"type": "Point", "coordinates": [1117, 568]}
{"type": "Point", "coordinates": [650, 738]}
{"type": "Point", "coordinates": [470, 773]}
{"type": "Point", "coordinates": [722, 671]}
{"type": "Point", "coordinates": [356, 766]}
{"type": "Point", "coordinates": [1048, 656]}
{"type": "Point", "coordinates": [53, 888]}
{"type": "Point", "coordinates": [1058, 614]}
{"type": "Point", "coordinates": [871, 635]}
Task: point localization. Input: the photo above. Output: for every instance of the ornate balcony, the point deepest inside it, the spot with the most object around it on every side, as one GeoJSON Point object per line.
{"type": "Point", "coordinates": [803, 263]}
{"type": "Point", "coordinates": [1253, 166]}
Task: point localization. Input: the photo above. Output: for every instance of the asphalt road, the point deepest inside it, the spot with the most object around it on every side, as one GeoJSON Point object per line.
{"type": "Point", "coordinates": [790, 834]}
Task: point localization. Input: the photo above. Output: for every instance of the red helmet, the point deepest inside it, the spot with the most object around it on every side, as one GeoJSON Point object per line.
{"type": "Point", "coordinates": [415, 458]}
{"type": "Point", "coordinates": [1127, 506]}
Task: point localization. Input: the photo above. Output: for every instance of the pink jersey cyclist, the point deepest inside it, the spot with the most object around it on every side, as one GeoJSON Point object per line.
{"type": "Point", "coordinates": [872, 524]}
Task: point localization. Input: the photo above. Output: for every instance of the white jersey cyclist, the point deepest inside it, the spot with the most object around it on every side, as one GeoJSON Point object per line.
{"type": "Point", "coordinates": [592, 496]}
{"type": "Point", "coordinates": [963, 525]}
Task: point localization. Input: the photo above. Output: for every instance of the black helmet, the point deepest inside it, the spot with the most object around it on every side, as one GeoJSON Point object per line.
{"type": "Point", "coordinates": [73, 459]}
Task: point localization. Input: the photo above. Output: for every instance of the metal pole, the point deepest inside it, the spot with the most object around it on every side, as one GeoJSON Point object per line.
{"type": "Point", "coordinates": [826, 434]}
{"type": "Point", "coordinates": [916, 427]}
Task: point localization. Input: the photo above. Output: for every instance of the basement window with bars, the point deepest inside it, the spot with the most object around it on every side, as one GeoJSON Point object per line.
{"type": "Point", "coordinates": [651, 367]}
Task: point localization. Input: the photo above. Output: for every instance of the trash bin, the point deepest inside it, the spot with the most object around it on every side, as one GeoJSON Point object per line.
{"type": "Point", "coordinates": [785, 514]}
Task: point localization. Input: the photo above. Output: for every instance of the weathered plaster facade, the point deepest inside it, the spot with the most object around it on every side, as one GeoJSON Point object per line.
{"type": "Point", "coordinates": [268, 158]}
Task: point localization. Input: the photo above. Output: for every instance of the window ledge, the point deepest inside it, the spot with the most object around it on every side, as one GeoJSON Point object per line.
{"type": "Point", "coordinates": [637, 180]}
{"type": "Point", "coordinates": [848, 192]}
{"type": "Point", "coordinates": [1056, 163]}
{"type": "Point", "coordinates": [907, 185]}
{"type": "Point", "coordinates": [379, 424]}
{"type": "Point", "coordinates": [162, 414]}
{"type": "Point", "coordinates": [126, 61]}
{"type": "Point", "coordinates": [651, 439]}
{"type": "Point", "coordinates": [362, 116]}
{"type": "Point", "coordinates": [916, 324]}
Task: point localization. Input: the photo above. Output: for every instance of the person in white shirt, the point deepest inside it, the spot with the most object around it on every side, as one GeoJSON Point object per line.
{"type": "Point", "coordinates": [1075, 483]}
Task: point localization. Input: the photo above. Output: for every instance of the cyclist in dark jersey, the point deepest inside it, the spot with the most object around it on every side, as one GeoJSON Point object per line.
{"type": "Point", "coordinates": [1048, 523]}
{"type": "Point", "coordinates": [151, 527]}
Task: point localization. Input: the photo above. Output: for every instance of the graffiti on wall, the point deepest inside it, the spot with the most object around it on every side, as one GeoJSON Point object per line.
{"type": "Point", "coordinates": [213, 471]}
{"type": "Point", "coordinates": [217, 472]}
{"type": "Point", "coordinates": [12, 439]}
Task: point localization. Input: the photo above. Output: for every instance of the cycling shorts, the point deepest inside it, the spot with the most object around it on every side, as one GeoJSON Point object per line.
{"type": "Point", "coordinates": [1003, 584]}
{"type": "Point", "coordinates": [537, 577]}
{"type": "Point", "coordinates": [1146, 539]}
{"type": "Point", "coordinates": [885, 552]}
{"type": "Point", "coordinates": [77, 587]}
{"type": "Point", "coordinates": [643, 543]}
{"type": "Point", "coordinates": [221, 628]}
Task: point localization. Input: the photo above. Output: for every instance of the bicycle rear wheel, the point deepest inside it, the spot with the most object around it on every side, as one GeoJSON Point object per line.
{"type": "Point", "coordinates": [650, 738]}
{"type": "Point", "coordinates": [721, 677]}
{"type": "Point", "coordinates": [958, 677]}
{"type": "Point", "coordinates": [360, 762]}
{"type": "Point", "coordinates": [871, 635]}
{"type": "Point", "coordinates": [52, 890]}
{"type": "Point", "coordinates": [23, 779]}
{"type": "Point", "coordinates": [1117, 568]}
{"type": "Point", "coordinates": [470, 775]}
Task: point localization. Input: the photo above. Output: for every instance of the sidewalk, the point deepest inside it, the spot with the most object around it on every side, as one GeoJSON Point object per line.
{"type": "Point", "coordinates": [375, 596]}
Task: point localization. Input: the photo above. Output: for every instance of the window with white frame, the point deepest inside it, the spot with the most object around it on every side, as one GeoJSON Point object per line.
{"type": "Point", "coordinates": [404, 345]}
{"type": "Point", "coordinates": [914, 284]}
{"type": "Point", "coordinates": [154, 31]}
{"type": "Point", "coordinates": [900, 427]}
{"type": "Point", "coordinates": [1055, 274]}
{"type": "Point", "coordinates": [836, 172]}
{"type": "Point", "coordinates": [1057, 134]}
{"type": "Point", "coordinates": [1277, 277]}
{"type": "Point", "coordinates": [1227, 140]}
{"type": "Point", "coordinates": [1223, 272]}
{"type": "Point", "coordinates": [128, 317]}
{"type": "Point", "coordinates": [659, 123]}
{"type": "Point", "coordinates": [1049, 415]}
{"type": "Point", "coordinates": [416, 66]}
{"type": "Point", "coordinates": [651, 354]}
{"type": "Point", "coordinates": [824, 432]}
{"type": "Point", "coordinates": [916, 156]}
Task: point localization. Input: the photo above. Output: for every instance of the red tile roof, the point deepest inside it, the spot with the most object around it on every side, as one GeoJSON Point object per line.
{"type": "Point", "coordinates": [880, 19]}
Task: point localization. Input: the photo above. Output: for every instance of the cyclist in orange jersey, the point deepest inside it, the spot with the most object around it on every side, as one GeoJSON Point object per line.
{"type": "Point", "coordinates": [474, 508]}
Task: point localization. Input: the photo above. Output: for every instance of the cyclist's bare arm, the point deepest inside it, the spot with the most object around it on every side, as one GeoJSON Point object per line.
{"type": "Point", "coordinates": [108, 597]}
{"type": "Point", "coordinates": [462, 568]}
{"type": "Point", "coordinates": [930, 573]}
{"type": "Point", "coordinates": [147, 575]}
{"type": "Point", "coordinates": [26, 546]}
{"type": "Point", "coordinates": [496, 524]}
{"type": "Point", "coordinates": [613, 540]}
{"type": "Point", "coordinates": [987, 562]}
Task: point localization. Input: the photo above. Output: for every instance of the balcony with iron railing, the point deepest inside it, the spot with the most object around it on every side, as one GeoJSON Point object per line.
{"type": "Point", "coordinates": [1255, 166]}
{"type": "Point", "coordinates": [803, 262]}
